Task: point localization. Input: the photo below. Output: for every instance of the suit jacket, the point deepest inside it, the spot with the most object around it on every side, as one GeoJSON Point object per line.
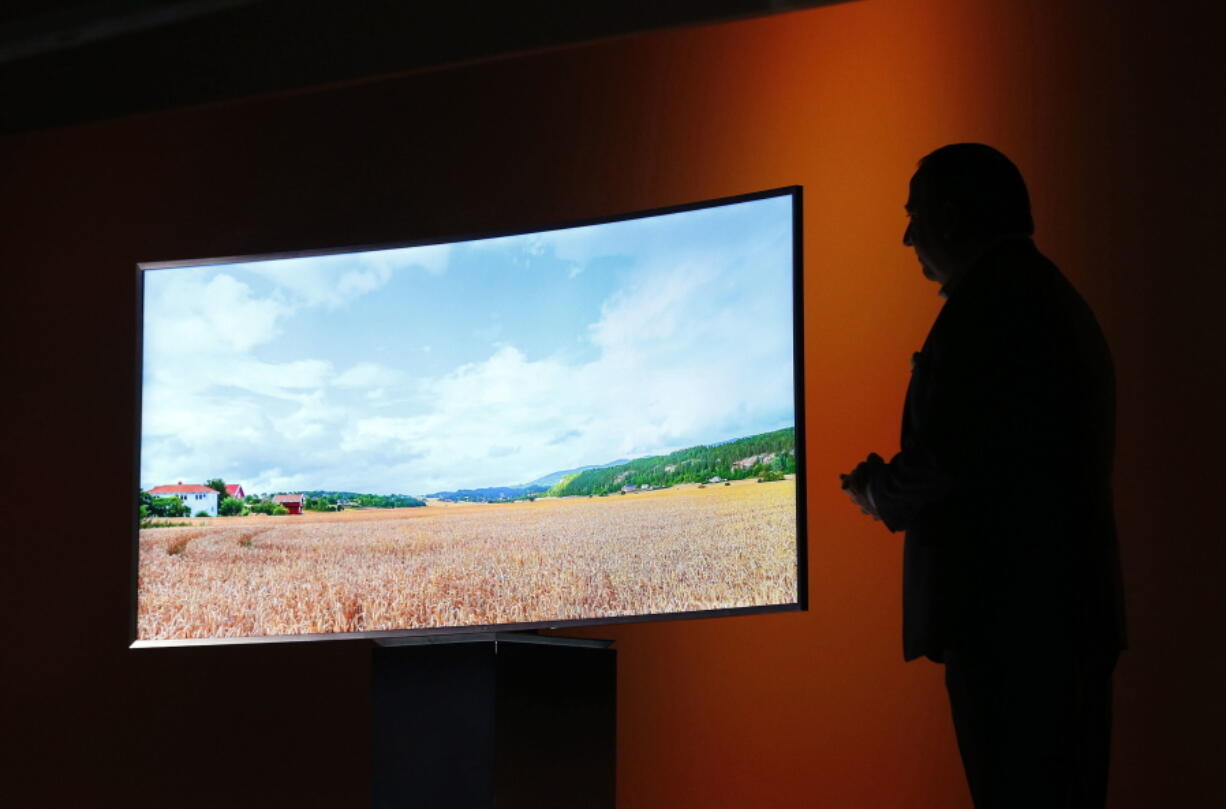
{"type": "Point", "coordinates": [1003, 481]}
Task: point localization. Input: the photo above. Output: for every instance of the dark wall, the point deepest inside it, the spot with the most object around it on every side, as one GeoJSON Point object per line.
{"type": "Point", "coordinates": [1107, 111]}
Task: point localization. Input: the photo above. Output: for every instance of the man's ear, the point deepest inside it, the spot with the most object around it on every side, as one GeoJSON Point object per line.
{"type": "Point", "coordinates": [950, 222]}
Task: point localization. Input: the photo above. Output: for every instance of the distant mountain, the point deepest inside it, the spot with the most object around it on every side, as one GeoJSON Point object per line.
{"type": "Point", "coordinates": [489, 494]}
{"type": "Point", "coordinates": [554, 477]}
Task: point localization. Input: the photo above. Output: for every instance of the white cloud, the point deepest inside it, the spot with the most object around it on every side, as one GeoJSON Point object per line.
{"type": "Point", "coordinates": [655, 313]}
{"type": "Point", "coordinates": [367, 375]}
{"type": "Point", "coordinates": [491, 331]}
{"type": "Point", "coordinates": [205, 315]}
{"type": "Point", "coordinates": [433, 258]}
{"type": "Point", "coordinates": [333, 281]}
{"type": "Point", "coordinates": [356, 283]}
{"type": "Point", "coordinates": [280, 379]}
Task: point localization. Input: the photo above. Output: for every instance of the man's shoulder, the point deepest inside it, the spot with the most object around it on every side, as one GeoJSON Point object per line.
{"type": "Point", "coordinates": [1015, 296]}
{"type": "Point", "coordinates": [1013, 280]}
{"type": "Point", "coordinates": [1013, 264]}
{"type": "Point", "coordinates": [1022, 298]}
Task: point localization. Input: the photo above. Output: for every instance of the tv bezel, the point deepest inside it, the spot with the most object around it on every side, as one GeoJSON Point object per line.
{"type": "Point", "coordinates": [795, 192]}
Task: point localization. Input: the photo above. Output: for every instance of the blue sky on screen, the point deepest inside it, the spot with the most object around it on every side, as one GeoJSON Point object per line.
{"type": "Point", "coordinates": [481, 363]}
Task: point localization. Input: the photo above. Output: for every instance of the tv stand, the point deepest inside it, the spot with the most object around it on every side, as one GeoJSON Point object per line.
{"type": "Point", "coordinates": [498, 720]}
{"type": "Point", "coordinates": [526, 636]}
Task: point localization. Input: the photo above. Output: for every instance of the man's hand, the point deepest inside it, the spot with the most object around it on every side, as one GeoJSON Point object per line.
{"type": "Point", "coordinates": [856, 484]}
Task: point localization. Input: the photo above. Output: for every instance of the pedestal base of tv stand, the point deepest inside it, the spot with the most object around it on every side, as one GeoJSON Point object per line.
{"type": "Point", "coordinates": [497, 721]}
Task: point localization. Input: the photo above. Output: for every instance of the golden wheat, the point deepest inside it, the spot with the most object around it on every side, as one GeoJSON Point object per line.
{"type": "Point", "coordinates": [676, 550]}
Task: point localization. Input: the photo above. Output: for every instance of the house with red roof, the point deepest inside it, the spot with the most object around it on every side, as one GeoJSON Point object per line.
{"type": "Point", "coordinates": [196, 498]}
{"type": "Point", "coordinates": [292, 502]}
{"type": "Point", "coordinates": [235, 490]}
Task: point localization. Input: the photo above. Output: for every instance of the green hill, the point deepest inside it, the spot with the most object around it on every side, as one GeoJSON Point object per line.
{"type": "Point", "coordinates": [748, 457]}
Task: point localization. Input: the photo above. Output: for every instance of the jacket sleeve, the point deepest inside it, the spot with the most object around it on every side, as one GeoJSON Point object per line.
{"type": "Point", "coordinates": [905, 487]}
{"type": "Point", "coordinates": [978, 411]}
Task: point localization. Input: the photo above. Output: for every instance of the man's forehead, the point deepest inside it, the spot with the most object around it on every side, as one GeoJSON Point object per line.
{"type": "Point", "coordinates": [914, 191]}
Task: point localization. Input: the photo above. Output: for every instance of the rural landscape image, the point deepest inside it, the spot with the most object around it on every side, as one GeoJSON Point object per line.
{"type": "Point", "coordinates": [569, 425]}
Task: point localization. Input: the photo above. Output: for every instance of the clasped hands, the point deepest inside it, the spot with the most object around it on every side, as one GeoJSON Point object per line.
{"type": "Point", "coordinates": [856, 484]}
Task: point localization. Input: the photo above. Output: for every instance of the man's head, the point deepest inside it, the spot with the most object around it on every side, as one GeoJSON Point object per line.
{"type": "Point", "coordinates": [964, 198]}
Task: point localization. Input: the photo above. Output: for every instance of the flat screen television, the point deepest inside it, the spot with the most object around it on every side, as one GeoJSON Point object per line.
{"type": "Point", "coordinates": [581, 424]}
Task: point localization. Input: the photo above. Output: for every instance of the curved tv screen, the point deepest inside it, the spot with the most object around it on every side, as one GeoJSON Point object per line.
{"type": "Point", "coordinates": [583, 424]}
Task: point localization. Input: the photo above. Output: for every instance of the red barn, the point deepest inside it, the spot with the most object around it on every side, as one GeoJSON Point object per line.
{"type": "Point", "coordinates": [292, 502]}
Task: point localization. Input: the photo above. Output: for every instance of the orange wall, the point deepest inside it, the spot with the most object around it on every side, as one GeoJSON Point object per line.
{"type": "Point", "coordinates": [1106, 111]}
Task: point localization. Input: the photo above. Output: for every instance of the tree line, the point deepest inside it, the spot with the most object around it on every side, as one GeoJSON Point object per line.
{"type": "Point", "coordinates": [150, 506]}
{"type": "Point", "coordinates": [325, 500]}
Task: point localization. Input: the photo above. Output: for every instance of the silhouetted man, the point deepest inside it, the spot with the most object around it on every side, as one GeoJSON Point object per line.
{"type": "Point", "coordinates": [1002, 485]}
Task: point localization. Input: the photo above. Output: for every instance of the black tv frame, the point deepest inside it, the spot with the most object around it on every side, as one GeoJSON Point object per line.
{"type": "Point", "coordinates": [795, 192]}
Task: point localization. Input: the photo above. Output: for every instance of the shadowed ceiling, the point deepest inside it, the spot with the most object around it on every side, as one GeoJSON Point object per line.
{"type": "Point", "coordinates": [73, 62]}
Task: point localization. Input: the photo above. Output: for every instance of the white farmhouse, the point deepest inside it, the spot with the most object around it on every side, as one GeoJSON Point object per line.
{"type": "Point", "coordinates": [196, 498]}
